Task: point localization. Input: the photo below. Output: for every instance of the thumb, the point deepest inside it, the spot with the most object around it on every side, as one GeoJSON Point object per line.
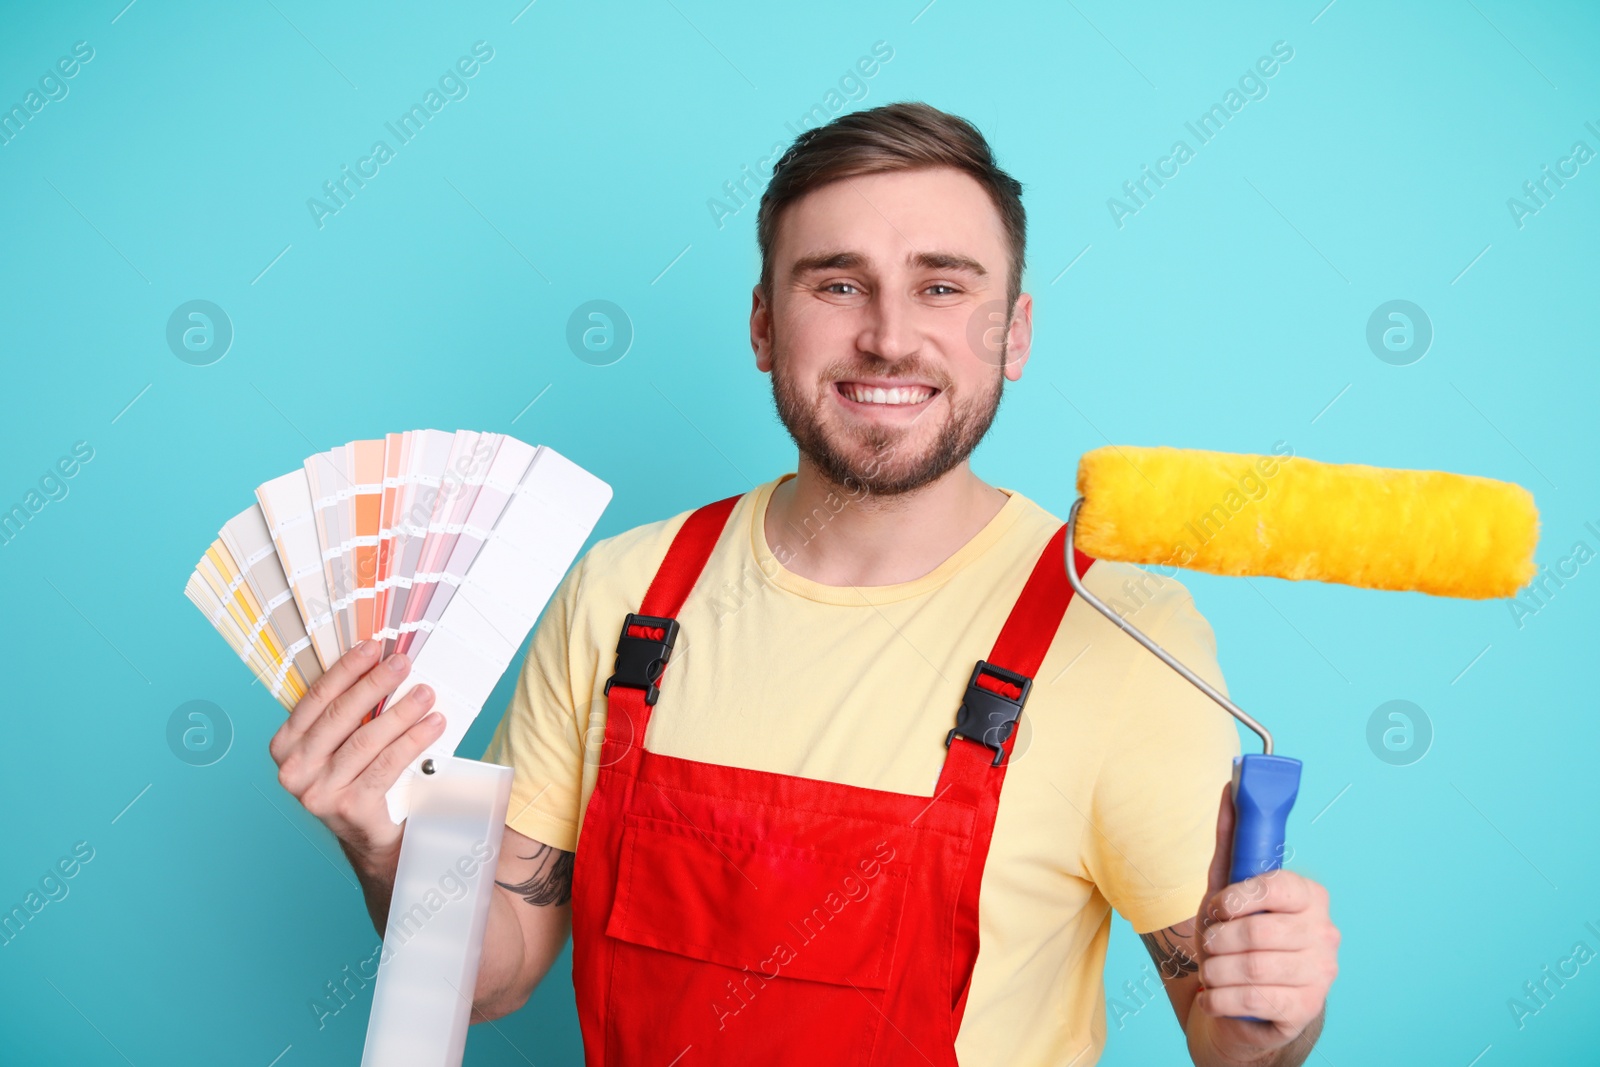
{"type": "Point", "coordinates": [1222, 855]}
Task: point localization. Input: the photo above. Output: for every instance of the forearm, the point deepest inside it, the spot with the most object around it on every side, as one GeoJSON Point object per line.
{"type": "Point", "coordinates": [504, 983]}
{"type": "Point", "coordinates": [376, 875]}
{"type": "Point", "coordinates": [506, 973]}
{"type": "Point", "coordinates": [1206, 1050]}
{"type": "Point", "coordinates": [530, 917]}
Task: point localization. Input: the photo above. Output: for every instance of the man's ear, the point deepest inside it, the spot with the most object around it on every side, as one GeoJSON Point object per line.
{"type": "Point", "coordinates": [761, 329]}
{"type": "Point", "coordinates": [1019, 338]}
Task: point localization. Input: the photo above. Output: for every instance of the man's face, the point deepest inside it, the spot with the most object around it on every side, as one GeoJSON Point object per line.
{"type": "Point", "coordinates": [884, 291]}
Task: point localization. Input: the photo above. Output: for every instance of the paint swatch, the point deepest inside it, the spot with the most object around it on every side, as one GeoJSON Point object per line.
{"type": "Point", "coordinates": [222, 588]}
{"type": "Point", "coordinates": [445, 546]}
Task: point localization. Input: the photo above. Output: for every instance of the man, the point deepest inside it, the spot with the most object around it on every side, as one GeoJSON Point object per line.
{"type": "Point", "coordinates": [793, 848]}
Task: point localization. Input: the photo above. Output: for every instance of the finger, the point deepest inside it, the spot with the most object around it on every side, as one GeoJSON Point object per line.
{"type": "Point", "coordinates": [1257, 968]}
{"type": "Point", "coordinates": [1222, 854]}
{"type": "Point", "coordinates": [1278, 891]}
{"type": "Point", "coordinates": [343, 715]}
{"type": "Point", "coordinates": [1269, 1003]}
{"type": "Point", "coordinates": [385, 768]}
{"type": "Point", "coordinates": [334, 681]}
{"type": "Point", "coordinates": [1262, 931]}
{"type": "Point", "coordinates": [371, 738]}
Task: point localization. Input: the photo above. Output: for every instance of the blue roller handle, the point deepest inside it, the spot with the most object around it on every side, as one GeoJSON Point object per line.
{"type": "Point", "coordinates": [1264, 788]}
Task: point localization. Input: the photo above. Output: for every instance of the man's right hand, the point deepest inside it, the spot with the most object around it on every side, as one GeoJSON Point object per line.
{"type": "Point", "coordinates": [340, 768]}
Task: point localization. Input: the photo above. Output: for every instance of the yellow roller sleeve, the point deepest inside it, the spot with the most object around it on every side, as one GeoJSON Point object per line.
{"type": "Point", "coordinates": [1453, 535]}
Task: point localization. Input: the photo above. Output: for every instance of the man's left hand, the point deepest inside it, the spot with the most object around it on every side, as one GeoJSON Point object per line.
{"type": "Point", "coordinates": [1267, 949]}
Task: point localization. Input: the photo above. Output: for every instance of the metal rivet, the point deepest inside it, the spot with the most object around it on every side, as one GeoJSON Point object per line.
{"type": "Point", "coordinates": [427, 766]}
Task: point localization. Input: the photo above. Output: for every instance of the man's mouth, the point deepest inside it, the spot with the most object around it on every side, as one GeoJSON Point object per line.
{"type": "Point", "coordinates": [891, 396]}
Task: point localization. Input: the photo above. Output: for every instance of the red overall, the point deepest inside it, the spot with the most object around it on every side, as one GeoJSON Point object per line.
{"type": "Point", "coordinates": [723, 915]}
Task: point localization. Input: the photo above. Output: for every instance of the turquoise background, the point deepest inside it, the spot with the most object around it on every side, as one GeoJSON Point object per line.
{"type": "Point", "coordinates": [1230, 312]}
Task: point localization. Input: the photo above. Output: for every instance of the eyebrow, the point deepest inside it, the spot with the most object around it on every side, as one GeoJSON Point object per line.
{"type": "Point", "coordinates": [822, 261]}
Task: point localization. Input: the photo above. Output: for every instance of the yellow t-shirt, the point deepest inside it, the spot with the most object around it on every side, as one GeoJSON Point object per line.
{"type": "Point", "coordinates": [1110, 799]}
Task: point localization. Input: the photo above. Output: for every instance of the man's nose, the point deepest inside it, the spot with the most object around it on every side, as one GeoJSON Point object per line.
{"type": "Point", "coordinates": [891, 328]}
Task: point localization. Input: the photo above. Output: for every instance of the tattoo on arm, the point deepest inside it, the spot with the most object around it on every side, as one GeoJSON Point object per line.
{"type": "Point", "coordinates": [1167, 948]}
{"type": "Point", "coordinates": [551, 883]}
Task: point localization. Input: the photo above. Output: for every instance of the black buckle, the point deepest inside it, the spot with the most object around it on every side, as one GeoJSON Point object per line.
{"type": "Point", "coordinates": [640, 660]}
{"type": "Point", "coordinates": [988, 717]}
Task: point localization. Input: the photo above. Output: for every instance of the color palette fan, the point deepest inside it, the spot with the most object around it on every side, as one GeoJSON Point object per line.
{"type": "Point", "coordinates": [444, 546]}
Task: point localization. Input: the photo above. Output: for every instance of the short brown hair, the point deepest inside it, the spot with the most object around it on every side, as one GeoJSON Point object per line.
{"type": "Point", "coordinates": [899, 136]}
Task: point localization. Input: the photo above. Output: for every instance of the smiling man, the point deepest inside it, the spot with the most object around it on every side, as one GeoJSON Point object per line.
{"type": "Point", "coordinates": [833, 771]}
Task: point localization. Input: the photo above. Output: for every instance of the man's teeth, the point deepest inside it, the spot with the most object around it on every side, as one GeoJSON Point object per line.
{"type": "Point", "coordinates": [907, 394]}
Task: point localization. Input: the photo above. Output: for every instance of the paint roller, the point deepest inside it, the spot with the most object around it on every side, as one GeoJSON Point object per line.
{"type": "Point", "coordinates": [1444, 534]}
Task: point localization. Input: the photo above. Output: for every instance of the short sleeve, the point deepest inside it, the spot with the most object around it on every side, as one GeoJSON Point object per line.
{"type": "Point", "coordinates": [1156, 795]}
{"type": "Point", "coordinates": [539, 736]}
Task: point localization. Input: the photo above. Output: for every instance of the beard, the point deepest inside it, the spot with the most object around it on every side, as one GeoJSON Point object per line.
{"type": "Point", "coordinates": [881, 459]}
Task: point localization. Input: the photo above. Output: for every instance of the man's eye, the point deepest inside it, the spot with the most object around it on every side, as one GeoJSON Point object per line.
{"type": "Point", "coordinates": [948, 289]}
{"type": "Point", "coordinates": [834, 286]}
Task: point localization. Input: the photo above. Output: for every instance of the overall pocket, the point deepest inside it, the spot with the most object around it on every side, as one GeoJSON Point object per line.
{"type": "Point", "coordinates": [747, 951]}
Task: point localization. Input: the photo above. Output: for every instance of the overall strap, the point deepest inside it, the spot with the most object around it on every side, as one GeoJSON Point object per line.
{"type": "Point", "coordinates": [648, 636]}
{"type": "Point", "coordinates": [980, 745]}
